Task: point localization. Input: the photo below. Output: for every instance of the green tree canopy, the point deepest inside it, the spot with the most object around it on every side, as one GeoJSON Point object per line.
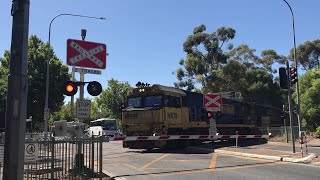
{"type": "Point", "coordinates": [219, 69]}
{"type": "Point", "coordinates": [63, 114]}
{"type": "Point", "coordinates": [111, 98]}
{"type": "Point", "coordinates": [309, 85]}
{"type": "Point", "coordinates": [204, 55]}
{"type": "Point", "coordinates": [308, 54]}
{"type": "Point", "coordinates": [37, 53]}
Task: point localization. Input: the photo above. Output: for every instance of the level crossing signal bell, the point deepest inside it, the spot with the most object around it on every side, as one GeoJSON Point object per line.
{"type": "Point", "coordinates": [293, 75]}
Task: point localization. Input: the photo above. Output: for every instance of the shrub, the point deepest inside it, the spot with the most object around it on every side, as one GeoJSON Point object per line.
{"type": "Point", "coordinates": [318, 131]}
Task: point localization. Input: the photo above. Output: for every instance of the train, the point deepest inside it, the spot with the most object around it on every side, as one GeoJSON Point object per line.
{"type": "Point", "coordinates": [161, 110]}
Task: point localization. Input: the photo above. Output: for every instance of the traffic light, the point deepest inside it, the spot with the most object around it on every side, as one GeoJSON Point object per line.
{"type": "Point", "coordinates": [283, 78]}
{"type": "Point", "coordinates": [293, 75]}
{"type": "Point", "coordinates": [94, 88]}
{"type": "Point", "coordinates": [122, 105]}
{"type": "Point", "coordinates": [70, 88]}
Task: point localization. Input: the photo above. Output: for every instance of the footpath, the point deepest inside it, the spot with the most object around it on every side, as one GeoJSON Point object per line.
{"type": "Point", "coordinates": [277, 151]}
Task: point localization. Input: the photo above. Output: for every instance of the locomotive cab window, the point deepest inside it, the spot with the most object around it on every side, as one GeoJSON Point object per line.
{"type": "Point", "coordinates": [152, 101]}
{"type": "Point", "coordinates": [134, 102]}
{"type": "Point", "coordinates": [172, 101]}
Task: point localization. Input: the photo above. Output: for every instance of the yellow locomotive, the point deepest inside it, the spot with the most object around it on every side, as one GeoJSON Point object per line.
{"type": "Point", "coordinates": [162, 110]}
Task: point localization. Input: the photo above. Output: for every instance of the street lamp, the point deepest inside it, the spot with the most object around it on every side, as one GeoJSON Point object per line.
{"type": "Point", "coordinates": [46, 109]}
{"type": "Point", "coordinates": [296, 66]}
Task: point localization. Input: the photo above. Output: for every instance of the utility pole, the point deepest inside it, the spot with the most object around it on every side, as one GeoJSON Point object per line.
{"type": "Point", "coordinates": [290, 107]}
{"type": "Point", "coordinates": [17, 93]}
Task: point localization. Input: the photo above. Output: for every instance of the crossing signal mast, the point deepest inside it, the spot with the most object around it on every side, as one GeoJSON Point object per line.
{"type": "Point", "coordinates": [82, 55]}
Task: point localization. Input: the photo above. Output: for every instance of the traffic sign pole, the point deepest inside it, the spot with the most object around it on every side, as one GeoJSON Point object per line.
{"type": "Point", "coordinates": [81, 86]}
{"type": "Point", "coordinates": [72, 97]}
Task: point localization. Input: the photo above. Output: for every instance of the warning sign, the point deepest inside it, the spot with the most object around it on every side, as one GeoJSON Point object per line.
{"type": "Point", "coordinates": [31, 152]}
{"type": "Point", "coordinates": [83, 109]}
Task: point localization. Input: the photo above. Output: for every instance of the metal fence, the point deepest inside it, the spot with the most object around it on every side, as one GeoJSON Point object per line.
{"type": "Point", "coordinates": [63, 158]}
{"type": "Point", "coordinates": [281, 133]}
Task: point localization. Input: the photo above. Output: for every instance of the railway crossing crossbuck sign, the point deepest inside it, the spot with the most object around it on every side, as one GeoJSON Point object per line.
{"type": "Point", "coordinates": [86, 54]}
{"type": "Point", "coordinates": [212, 100]}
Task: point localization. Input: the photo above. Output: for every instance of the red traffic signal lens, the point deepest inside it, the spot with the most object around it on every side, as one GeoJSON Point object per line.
{"type": "Point", "coordinates": [70, 88]}
{"type": "Point", "coordinates": [293, 70]}
{"type": "Point", "coordinates": [209, 114]}
{"type": "Point", "coordinates": [94, 88]}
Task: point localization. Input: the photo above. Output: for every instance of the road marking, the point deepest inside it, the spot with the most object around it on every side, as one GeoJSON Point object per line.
{"type": "Point", "coordinates": [213, 161]}
{"type": "Point", "coordinates": [137, 169]}
{"type": "Point", "coordinates": [184, 171]}
{"type": "Point", "coordinates": [249, 158]}
{"type": "Point", "coordinates": [182, 160]}
{"type": "Point", "coordinates": [154, 161]}
{"type": "Point", "coordinates": [252, 166]}
{"type": "Point", "coordinates": [165, 169]}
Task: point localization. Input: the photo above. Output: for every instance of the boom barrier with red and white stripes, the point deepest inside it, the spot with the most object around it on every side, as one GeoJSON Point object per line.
{"type": "Point", "coordinates": [174, 137]}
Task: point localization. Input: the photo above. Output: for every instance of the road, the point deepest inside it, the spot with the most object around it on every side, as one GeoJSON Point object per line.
{"type": "Point", "coordinates": [192, 163]}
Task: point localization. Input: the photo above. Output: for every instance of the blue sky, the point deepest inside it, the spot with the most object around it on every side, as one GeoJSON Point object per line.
{"type": "Point", "coordinates": [144, 37]}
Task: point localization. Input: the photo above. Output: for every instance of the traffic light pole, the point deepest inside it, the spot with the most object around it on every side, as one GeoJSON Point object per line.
{"type": "Point", "coordinates": [16, 108]}
{"type": "Point", "coordinates": [285, 123]}
{"type": "Point", "coordinates": [296, 66]}
{"type": "Point", "coordinates": [290, 107]}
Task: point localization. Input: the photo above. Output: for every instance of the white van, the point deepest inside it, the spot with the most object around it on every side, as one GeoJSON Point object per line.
{"type": "Point", "coordinates": [104, 127]}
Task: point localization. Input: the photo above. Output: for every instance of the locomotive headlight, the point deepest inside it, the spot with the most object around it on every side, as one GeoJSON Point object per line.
{"type": "Point", "coordinates": [141, 90]}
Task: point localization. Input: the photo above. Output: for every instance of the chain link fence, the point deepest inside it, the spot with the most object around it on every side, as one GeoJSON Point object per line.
{"type": "Point", "coordinates": [61, 158]}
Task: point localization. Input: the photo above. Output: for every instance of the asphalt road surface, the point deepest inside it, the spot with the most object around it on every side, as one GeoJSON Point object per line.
{"type": "Point", "coordinates": [288, 147]}
{"type": "Point", "coordinates": [193, 163]}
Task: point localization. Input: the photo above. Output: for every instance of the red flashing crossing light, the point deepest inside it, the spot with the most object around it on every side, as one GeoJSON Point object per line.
{"type": "Point", "coordinates": [209, 114]}
{"type": "Point", "coordinates": [70, 88]}
{"type": "Point", "coordinates": [123, 106]}
{"type": "Point", "coordinates": [293, 75]}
